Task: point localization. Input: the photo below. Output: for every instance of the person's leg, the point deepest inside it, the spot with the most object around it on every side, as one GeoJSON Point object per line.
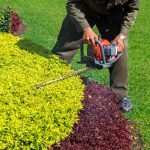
{"type": "Point", "coordinates": [119, 80]}
{"type": "Point", "coordinates": [119, 75]}
{"type": "Point", "coordinates": [109, 28]}
{"type": "Point", "coordinates": [69, 40]}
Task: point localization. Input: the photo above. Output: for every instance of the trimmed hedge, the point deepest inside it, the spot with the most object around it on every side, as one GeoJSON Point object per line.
{"type": "Point", "coordinates": [102, 125]}
{"type": "Point", "coordinates": [35, 118]}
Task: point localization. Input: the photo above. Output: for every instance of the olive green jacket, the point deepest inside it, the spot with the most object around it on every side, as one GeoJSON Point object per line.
{"type": "Point", "coordinates": [75, 9]}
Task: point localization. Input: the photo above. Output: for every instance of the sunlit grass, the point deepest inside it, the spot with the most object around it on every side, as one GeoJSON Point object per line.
{"type": "Point", "coordinates": [44, 19]}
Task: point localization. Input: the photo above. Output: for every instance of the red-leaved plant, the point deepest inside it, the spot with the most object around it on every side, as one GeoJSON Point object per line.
{"type": "Point", "coordinates": [17, 27]}
{"type": "Point", "coordinates": [102, 125]}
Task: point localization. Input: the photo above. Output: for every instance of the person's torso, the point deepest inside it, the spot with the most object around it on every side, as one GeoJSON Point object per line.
{"type": "Point", "coordinates": [103, 6]}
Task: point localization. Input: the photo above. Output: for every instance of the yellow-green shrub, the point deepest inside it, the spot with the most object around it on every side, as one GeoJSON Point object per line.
{"type": "Point", "coordinates": [34, 118]}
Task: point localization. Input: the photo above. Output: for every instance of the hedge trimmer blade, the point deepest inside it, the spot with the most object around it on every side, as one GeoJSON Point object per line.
{"type": "Point", "coordinates": [102, 50]}
{"type": "Point", "coordinates": [62, 78]}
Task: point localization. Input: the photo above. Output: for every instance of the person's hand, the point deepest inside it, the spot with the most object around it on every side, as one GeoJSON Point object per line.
{"type": "Point", "coordinates": [89, 36]}
{"type": "Point", "coordinates": [120, 42]}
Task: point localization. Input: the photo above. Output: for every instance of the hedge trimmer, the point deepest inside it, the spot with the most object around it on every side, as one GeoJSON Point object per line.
{"type": "Point", "coordinates": [102, 55]}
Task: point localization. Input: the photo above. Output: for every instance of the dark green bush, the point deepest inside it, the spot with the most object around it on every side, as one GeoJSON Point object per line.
{"type": "Point", "coordinates": [34, 118]}
{"type": "Point", "coordinates": [4, 19]}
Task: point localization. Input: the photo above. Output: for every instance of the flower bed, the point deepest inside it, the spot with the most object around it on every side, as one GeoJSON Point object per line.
{"type": "Point", "coordinates": [34, 118]}
{"type": "Point", "coordinates": [102, 125]}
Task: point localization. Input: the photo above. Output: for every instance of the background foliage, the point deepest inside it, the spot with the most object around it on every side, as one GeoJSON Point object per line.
{"type": "Point", "coordinates": [44, 21]}
{"type": "Point", "coordinates": [4, 19]}
{"type": "Point", "coordinates": [10, 22]}
{"type": "Point", "coordinates": [34, 118]}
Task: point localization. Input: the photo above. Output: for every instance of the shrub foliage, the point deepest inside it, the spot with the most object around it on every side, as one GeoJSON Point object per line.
{"type": "Point", "coordinates": [34, 118]}
{"type": "Point", "coordinates": [10, 21]}
{"type": "Point", "coordinates": [4, 19]}
{"type": "Point", "coordinates": [102, 125]}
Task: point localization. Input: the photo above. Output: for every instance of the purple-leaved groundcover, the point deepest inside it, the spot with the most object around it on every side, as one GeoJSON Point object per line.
{"type": "Point", "coordinates": [101, 125]}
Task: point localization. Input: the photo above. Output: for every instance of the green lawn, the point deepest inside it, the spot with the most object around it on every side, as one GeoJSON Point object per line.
{"type": "Point", "coordinates": [44, 20]}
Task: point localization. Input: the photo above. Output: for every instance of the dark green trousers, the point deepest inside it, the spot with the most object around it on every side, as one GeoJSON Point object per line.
{"type": "Point", "coordinates": [69, 41]}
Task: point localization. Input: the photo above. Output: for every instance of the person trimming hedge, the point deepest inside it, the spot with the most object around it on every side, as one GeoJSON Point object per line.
{"type": "Point", "coordinates": [113, 19]}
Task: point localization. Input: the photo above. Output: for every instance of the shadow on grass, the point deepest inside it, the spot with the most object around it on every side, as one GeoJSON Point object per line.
{"type": "Point", "coordinates": [34, 48]}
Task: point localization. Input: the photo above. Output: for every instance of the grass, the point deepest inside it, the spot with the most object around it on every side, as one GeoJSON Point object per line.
{"type": "Point", "coordinates": [44, 19]}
